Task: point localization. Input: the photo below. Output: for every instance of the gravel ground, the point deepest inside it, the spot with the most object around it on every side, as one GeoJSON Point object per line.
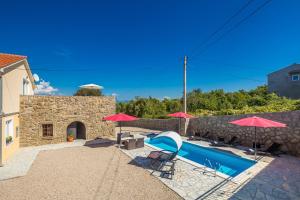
{"type": "Point", "coordinates": [85, 173]}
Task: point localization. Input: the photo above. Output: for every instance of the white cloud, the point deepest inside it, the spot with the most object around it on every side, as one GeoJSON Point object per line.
{"type": "Point", "coordinates": [44, 88]}
{"type": "Point", "coordinates": [166, 97]}
{"type": "Point", "coordinates": [114, 94]}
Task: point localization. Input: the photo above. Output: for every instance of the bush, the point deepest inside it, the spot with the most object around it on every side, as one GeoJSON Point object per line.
{"type": "Point", "coordinates": [88, 92]}
{"type": "Point", "coordinates": [215, 102]}
{"type": "Point", "coordinates": [8, 139]}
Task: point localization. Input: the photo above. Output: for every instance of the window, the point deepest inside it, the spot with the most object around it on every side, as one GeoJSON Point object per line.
{"type": "Point", "coordinates": [9, 131]}
{"type": "Point", "coordinates": [17, 131]}
{"type": "Point", "coordinates": [47, 130]}
{"type": "Point", "coordinates": [295, 77]}
{"type": "Point", "coordinates": [25, 86]}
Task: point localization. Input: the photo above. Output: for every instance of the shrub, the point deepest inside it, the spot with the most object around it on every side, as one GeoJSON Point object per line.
{"type": "Point", "coordinates": [215, 102]}
{"type": "Point", "coordinates": [8, 139]}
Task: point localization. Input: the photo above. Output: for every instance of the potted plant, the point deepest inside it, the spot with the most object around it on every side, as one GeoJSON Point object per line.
{"type": "Point", "coordinates": [8, 139]}
{"type": "Point", "coordinates": [70, 136]}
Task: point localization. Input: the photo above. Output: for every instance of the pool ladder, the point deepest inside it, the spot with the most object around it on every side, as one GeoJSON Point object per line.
{"type": "Point", "coordinates": [211, 166]}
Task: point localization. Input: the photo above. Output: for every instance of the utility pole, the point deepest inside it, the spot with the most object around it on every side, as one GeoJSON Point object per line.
{"type": "Point", "coordinates": [184, 84]}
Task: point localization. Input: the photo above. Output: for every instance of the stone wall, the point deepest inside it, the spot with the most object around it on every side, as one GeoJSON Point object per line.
{"type": "Point", "coordinates": [61, 111]}
{"type": "Point", "coordinates": [155, 124]}
{"type": "Point", "coordinates": [218, 126]}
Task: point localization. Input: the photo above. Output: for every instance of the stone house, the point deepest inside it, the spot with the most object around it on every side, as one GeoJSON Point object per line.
{"type": "Point", "coordinates": [27, 119]}
{"type": "Point", "coordinates": [286, 81]}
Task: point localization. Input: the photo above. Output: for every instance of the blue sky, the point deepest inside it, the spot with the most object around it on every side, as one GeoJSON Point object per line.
{"type": "Point", "coordinates": [136, 48]}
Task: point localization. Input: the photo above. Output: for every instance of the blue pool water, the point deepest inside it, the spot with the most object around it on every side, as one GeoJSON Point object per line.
{"type": "Point", "coordinates": [223, 162]}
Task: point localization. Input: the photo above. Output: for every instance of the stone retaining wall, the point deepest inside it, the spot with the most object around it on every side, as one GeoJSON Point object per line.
{"type": "Point", "coordinates": [61, 111]}
{"type": "Point", "coordinates": [288, 138]}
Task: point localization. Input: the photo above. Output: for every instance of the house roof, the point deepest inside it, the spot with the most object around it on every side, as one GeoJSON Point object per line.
{"type": "Point", "coordinates": [8, 59]}
{"type": "Point", "coordinates": [291, 68]}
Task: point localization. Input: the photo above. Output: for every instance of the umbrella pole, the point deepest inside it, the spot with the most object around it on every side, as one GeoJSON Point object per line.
{"type": "Point", "coordinates": [120, 124]}
{"type": "Point", "coordinates": [179, 126]}
{"type": "Point", "coordinates": [255, 143]}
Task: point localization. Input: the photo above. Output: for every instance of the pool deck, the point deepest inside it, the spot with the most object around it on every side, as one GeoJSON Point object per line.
{"type": "Point", "coordinates": [270, 178]}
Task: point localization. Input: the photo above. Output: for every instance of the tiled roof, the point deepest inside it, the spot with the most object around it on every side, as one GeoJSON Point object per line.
{"type": "Point", "coordinates": [8, 59]}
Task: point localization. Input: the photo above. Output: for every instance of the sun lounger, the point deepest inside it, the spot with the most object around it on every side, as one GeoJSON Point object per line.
{"type": "Point", "coordinates": [270, 150]}
{"type": "Point", "coordinates": [273, 149]}
{"type": "Point", "coordinates": [198, 136]}
{"type": "Point", "coordinates": [233, 141]}
{"type": "Point", "coordinates": [221, 142]}
{"type": "Point", "coordinates": [163, 159]}
{"type": "Point", "coordinates": [217, 143]}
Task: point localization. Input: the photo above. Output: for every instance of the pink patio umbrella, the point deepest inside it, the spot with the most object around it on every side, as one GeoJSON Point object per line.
{"type": "Point", "coordinates": [257, 122]}
{"type": "Point", "coordinates": [180, 115]}
{"type": "Point", "coordinates": [120, 117]}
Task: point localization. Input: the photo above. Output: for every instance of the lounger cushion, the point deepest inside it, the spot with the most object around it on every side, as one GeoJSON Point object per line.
{"type": "Point", "coordinates": [154, 155]}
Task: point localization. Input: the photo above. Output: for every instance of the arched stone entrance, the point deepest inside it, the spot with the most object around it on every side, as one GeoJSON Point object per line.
{"type": "Point", "coordinates": [78, 129]}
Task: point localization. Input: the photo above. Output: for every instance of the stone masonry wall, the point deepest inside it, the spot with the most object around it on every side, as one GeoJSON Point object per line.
{"type": "Point", "coordinates": [61, 111]}
{"type": "Point", "coordinates": [155, 124]}
{"type": "Point", "coordinates": [218, 126]}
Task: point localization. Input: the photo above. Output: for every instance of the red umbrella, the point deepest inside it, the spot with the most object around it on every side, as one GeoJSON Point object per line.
{"type": "Point", "coordinates": [120, 117]}
{"type": "Point", "coordinates": [257, 122]}
{"type": "Point", "coordinates": [180, 115]}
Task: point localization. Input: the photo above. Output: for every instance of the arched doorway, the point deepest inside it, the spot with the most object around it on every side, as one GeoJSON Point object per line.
{"type": "Point", "coordinates": [78, 129]}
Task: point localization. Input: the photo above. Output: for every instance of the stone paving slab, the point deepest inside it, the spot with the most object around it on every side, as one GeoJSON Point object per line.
{"type": "Point", "coordinates": [279, 180]}
{"type": "Point", "coordinates": [19, 164]}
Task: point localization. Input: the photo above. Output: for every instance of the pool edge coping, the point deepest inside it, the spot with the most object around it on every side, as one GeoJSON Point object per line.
{"type": "Point", "coordinates": [239, 179]}
{"type": "Point", "coordinates": [224, 176]}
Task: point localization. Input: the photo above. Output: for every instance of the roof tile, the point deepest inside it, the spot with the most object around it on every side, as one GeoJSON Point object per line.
{"type": "Point", "coordinates": [8, 59]}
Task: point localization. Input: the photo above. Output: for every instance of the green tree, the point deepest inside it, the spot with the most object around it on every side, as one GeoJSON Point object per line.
{"type": "Point", "coordinates": [172, 105]}
{"type": "Point", "coordinates": [215, 102]}
{"type": "Point", "coordinates": [88, 92]}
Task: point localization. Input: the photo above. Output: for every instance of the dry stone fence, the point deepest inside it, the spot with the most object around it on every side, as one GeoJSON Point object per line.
{"type": "Point", "coordinates": [218, 126]}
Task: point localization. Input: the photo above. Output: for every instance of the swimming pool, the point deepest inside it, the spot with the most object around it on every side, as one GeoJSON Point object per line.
{"type": "Point", "coordinates": [223, 162]}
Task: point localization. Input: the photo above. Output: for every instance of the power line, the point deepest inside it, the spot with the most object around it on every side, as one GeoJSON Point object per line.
{"type": "Point", "coordinates": [70, 69]}
{"type": "Point", "coordinates": [240, 10]}
{"type": "Point", "coordinates": [243, 78]}
{"type": "Point", "coordinates": [237, 66]}
{"type": "Point", "coordinates": [254, 12]}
